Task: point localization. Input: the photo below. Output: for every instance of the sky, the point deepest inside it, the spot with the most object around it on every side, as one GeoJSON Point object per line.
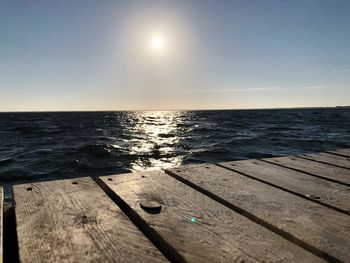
{"type": "Point", "coordinates": [157, 55]}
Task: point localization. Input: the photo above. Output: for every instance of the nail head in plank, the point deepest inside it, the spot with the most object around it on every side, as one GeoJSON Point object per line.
{"type": "Point", "coordinates": [217, 234]}
{"type": "Point", "coordinates": [325, 231]}
{"type": "Point", "coordinates": [319, 169]}
{"type": "Point", "coordinates": [75, 221]}
{"type": "Point", "coordinates": [325, 192]}
{"type": "Point", "coordinates": [330, 159]}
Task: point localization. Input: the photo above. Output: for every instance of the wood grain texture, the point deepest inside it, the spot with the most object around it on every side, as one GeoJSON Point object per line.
{"type": "Point", "coordinates": [75, 221]}
{"type": "Point", "coordinates": [322, 230]}
{"type": "Point", "coordinates": [218, 233]}
{"type": "Point", "coordinates": [324, 192]}
{"type": "Point", "coordinates": [319, 169]}
{"type": "Point", "coordinates": [341, 152]}
{"type": "Point", "coordinates": [1, 222]}
{"type": "Point", "coordinates": [328, 158]}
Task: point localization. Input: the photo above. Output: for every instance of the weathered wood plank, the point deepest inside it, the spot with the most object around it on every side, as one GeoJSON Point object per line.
{"type": "Point", "coordinates": [324, 192]}
{"type": "Point", "coordinates": [322, 230]}
{"type": "Point", "coordinates": [342, 152]}
{"type": "Point", "coordinates": [75, 221]}
{"type": "Point", "coordinates": [319, 169]}
{"type": "Point", "coordinates": [218, 234]}
{"type": "Point", "coordinates": [1, 222]}
{"type": "Point", "coordinates": [330, 159]}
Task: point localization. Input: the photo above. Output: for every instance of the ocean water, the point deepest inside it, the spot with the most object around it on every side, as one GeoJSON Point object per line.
{"type": "Point", "coordinates": [44, 146]}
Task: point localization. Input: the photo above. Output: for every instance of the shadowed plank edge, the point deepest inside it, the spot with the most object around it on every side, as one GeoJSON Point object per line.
{"type": "Point", "coordinates": [341, 152]}
{"type": "Point", "coordinates": [328, 159]}
{"type": "Point", "coordinates": [75, 220]}
{"type": "Point", "coordinates": [280, 211]}
{"type": "Point", "coordinates": [167, 250]}
{"type": "Point", "coordinates": [326, 193]}
{"type": "Point", "coordinates": [316, 169]}
{"type": "Point", "coordinates": [213, 235]}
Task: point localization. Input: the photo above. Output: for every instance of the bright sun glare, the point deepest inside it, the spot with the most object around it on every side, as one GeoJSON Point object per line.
{"type": "Point", "coordinates": [157, 42]}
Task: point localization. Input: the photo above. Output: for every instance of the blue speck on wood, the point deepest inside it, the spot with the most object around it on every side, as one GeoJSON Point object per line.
{"type": "Point", "coordinates": [193, 219]}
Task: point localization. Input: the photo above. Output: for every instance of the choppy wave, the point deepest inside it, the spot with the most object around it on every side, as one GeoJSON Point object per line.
{"type": "Point", "coordinates": [36, 146]}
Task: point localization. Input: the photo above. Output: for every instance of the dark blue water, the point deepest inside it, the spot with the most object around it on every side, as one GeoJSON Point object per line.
{"type": "Point", "coordinates": [37, 146]}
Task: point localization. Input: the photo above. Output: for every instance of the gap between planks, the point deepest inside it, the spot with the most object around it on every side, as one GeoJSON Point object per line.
{"type": "Point", "coordinates": [249, 198]}
{"type": "Point", "coordinates": [343, 152]}
{"type": "Point", "coordinates": [299, 184]}
{"type": "Point", "coordinates": [339, 178]}
{"type": "Point", "coordinates": [74, 220]}
{"type": "Point", "coordinates": [328, 159]}
{"type": "Point", "coordinates": [218, 233]}
{"type": "Point", "coordinates": [168, 251]}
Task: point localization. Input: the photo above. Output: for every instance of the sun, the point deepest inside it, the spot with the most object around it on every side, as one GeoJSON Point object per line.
{"type": "Point", "coordinates": [157, 42]}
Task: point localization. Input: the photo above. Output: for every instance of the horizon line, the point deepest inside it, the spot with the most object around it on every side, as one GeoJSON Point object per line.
{"type": "Point", "coordinates": [213, 109]}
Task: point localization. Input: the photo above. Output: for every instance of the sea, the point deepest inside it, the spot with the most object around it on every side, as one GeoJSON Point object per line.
{"type": "Point", "coordinates": [37, 146]}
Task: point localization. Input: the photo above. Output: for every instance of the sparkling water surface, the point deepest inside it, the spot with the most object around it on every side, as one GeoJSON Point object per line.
{"type": "Point", "coordinates": [44, 146]}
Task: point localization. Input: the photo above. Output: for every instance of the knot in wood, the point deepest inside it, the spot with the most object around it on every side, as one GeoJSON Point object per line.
{"type": "Point", "coordinates": [152, 207]}
{"type": "Point", "coordinates": [315, 197]}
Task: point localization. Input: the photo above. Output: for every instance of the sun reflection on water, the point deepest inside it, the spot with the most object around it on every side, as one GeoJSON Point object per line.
{"type": "Point", "coordinates": [156, 140]}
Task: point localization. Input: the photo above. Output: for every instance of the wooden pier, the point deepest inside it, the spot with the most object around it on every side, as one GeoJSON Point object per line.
{"type": "Point", "coordinates": [285, 209]}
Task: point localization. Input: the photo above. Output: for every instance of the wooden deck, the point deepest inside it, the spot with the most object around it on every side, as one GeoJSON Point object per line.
{"type": "Point", "coordinates": [285, 209]}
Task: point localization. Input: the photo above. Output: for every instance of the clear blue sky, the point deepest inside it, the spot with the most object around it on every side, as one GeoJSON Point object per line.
{"type": "Point", "coordinates": [99, 55]}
